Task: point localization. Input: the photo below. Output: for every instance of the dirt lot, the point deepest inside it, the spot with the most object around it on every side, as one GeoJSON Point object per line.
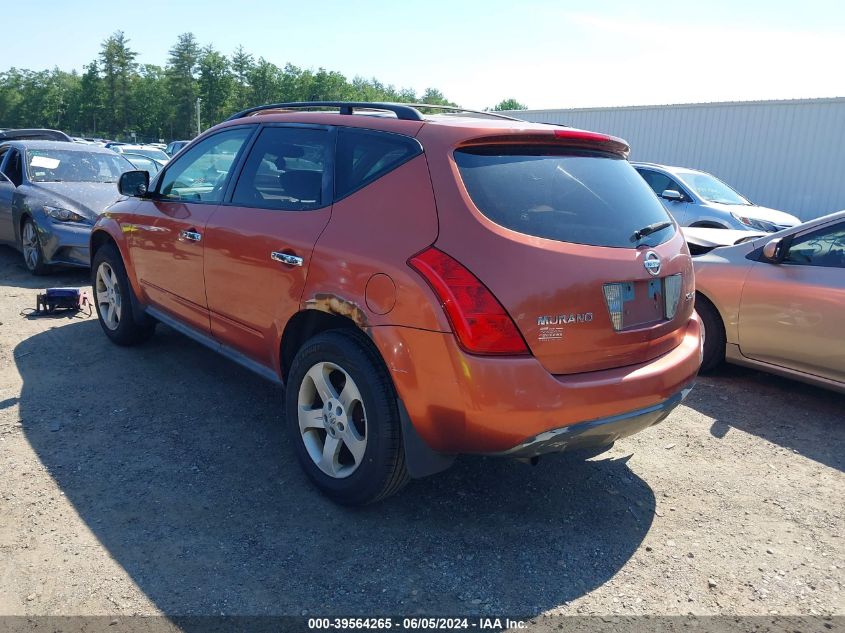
{"type": "Point", "coordinates": [157, 480]}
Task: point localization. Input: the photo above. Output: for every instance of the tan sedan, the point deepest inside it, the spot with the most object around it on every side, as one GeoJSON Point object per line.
{"type": "Point", "coordinates": [777, 302]}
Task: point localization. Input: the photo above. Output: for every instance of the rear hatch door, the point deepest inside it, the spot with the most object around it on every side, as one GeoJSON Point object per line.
{"type": "Point", "coordinates": [574, 244]}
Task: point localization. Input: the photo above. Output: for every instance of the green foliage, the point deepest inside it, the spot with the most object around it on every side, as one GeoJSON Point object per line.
{"type": "Point", "coordinates": [182, 85]}
{"type": "Point", "coordinates": [509, 104]}
{"type": "Point", "coordinates": [115, 96]}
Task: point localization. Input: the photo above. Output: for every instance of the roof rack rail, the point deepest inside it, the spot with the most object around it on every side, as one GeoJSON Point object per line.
{"type": "Point", "coordinates": [402, 111]}
{"type": "Point", "coordinates": [458, 110]}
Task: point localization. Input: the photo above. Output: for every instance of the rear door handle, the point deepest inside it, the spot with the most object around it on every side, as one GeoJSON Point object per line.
{"type": "Point", "coordinates": [190, 235]}
{"type": "Point", "coordinates": [286, 258]}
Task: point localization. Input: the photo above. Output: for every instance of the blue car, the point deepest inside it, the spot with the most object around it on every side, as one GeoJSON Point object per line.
{"type": "Point", "coordinates": [696, 198]}
{"type": "Point", "coordinates": [51, 193]}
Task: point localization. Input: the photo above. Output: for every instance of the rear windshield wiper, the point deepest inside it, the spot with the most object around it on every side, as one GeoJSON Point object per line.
{"type": "Point", "coordinates": [648, 230]}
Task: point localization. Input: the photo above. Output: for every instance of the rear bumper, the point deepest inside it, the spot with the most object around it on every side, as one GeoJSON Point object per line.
{"type": "Point", "coordinates": [596, 433]}
{"type": "Point", "coordinates": [460, 403]}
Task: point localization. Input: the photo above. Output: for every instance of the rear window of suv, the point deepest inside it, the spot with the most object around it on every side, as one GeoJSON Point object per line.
{"type": "Point", "coordinates": [571, 196]}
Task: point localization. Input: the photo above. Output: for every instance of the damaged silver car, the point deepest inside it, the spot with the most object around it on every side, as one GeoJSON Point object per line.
{"type": "Point", "coordinates": [51, 193]}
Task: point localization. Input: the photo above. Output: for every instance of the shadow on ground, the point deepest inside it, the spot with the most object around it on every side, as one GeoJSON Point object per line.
{"type": "Point", "coordinates": [176, 459]}
{"type": "Point", "coordinates": [15, 274]}
{"type": "Point", "coordinates": [797, 416]}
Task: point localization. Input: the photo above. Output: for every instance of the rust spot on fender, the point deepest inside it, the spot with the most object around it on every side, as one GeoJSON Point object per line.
{"type": "Point", "coordinates": [339, 306]}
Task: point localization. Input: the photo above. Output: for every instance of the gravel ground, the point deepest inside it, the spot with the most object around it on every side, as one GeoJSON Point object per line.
{"type": "Point", "coordinates": [157, 480]}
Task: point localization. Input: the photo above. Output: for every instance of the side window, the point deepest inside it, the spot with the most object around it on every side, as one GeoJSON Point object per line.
{"type": "Point", "coordinates": [284, 170]}
{"type": "Point", "coordinates": [3, 152]}
{"type": "Point", "coordinates": [825, 247]}
{"type": "Point", "coordinates": [13, 168]}
{"type": "Point", "coordinates": [660, 182]}
{"type": "Point", "coordinates": [363, 156]}
{"type": "Point", "coordinates": [200, 175]}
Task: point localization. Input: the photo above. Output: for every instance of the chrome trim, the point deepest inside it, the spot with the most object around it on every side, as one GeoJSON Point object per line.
{"type": "Point", "coordinates": [286, 258]}
{"type": "Point", "coordinates": [192, 236]}
{"type": "Point", "coordinates": [652, 263]}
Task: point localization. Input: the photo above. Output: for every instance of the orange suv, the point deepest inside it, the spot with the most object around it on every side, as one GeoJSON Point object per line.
{"type": "Point", "coordinates": [423, 285]}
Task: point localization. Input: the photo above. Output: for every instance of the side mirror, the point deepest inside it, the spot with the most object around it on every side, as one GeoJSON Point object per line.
{"type": "Point", "coordinates": [671, 194]}
{"type": "Point", "coordinates": [773, 251]}
{"type": "Point", "coordinates": [134, 183]}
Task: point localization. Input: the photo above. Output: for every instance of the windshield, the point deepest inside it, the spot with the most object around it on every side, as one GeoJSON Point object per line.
{"type": "Point", "coordinates": [580, 197]}
{"type": "Point", "coordinates": [711, 189]}
{"type": "Point", "coordinates": [67, 165]}
{"type": "Point", "coordinates": [143, 163]}
{"type": "Point", "coordinates": [150, 152]}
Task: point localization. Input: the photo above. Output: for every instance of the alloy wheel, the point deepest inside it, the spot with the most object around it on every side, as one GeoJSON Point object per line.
{"type": "Point", "coordinates": [332, 419]}
{"type": "Point", "coordinates": [30, 245]}
{"type": "Point", "coordinates": [108, 296]}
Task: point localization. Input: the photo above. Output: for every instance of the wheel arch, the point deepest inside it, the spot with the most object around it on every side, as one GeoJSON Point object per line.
{"type": "Point", "coordinates": [421, 459]}
{"type": "Point", "coordinates": [701, 296]}
{"type": "Point", "coordinates": [107, 231]}
{"type": "Point", "coordinates": [22, 218]}
{"type": "Point", "coordinates": [708, 224]}
{"type": "Point", "coordinates": [304, 325]}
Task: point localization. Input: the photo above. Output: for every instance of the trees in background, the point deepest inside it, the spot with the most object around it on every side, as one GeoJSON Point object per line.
{"type": "Point", "coordinates": [118, 68]}
{"type": "Point", "coordinates": [508, 104]}
{"type": "Point", "coordinates": [116, 96]}
{"type": "Point", "coordinates": [181, 79]}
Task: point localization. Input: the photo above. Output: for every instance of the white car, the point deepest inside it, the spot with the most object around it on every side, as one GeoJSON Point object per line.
{"type": "Point", "coordinates": [145, 150]}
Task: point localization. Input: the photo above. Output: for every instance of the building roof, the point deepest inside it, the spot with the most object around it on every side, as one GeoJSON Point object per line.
{"type": "Point", "coordinates": [707, 104]}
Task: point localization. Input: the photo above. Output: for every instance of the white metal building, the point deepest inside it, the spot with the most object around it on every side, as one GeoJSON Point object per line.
{"type": "Point", "coordinates": [787, 155]}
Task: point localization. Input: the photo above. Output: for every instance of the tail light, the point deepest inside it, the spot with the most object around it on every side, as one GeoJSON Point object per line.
{"type": "Point", "coordinates": [479, 321]}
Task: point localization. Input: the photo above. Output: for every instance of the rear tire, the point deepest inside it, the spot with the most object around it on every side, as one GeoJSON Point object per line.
{"type": "Point", "coordinates": [343, 420]}
{"type": "Point", "coordinates": [114, 300]}
{"type": "Point", "coordinates": [714, 334]}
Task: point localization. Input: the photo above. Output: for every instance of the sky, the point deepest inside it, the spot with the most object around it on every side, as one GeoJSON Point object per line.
{"type": "Point", "coordinates": [544, 53]}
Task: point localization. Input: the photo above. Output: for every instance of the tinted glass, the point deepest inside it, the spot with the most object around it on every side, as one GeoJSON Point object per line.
{"type": "Point", "coordinates": [580, 197]}
{"type": "Point", "coordinates": [363, 156]}
{"type": "Point", "coordinates": [12, 170]}
{"type": "Point", "coordinates": [284, 170]}
{"type": "Point", "coordinates": [659, 182]}
{"type": "Point", "coordinates": [62, 165]}
{"type": "Point", "coordinates": [200, 174]}
{"type": "Point", "coordinates": [825, 247]}
{"type": "Point", "coordinates": [712, 189]}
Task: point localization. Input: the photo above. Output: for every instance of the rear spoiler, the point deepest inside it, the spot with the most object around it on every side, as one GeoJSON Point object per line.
{"type": "Point", "coordinates": [561, 137]}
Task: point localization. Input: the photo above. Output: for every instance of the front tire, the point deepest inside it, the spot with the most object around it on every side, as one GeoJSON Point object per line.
{"type": "Point", "coordinates": [343, 420]}
{"type": "Point", "coordinates": [714, 334]}
{"type": "Point", "coordinates": [114, 299]}
{"type": "Point", "coordinates": [33, 254]}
